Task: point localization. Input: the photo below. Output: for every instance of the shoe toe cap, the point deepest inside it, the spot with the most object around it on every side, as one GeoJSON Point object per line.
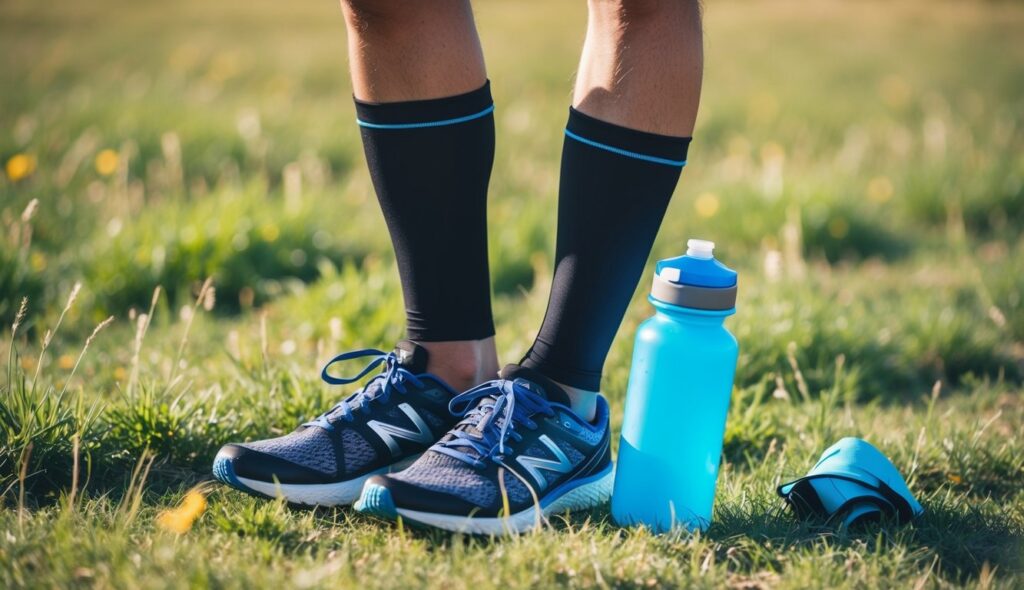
{"type": "Point", "coordinates": [235, 461]}
{"type": "Point", "coordinates": [386, 494]}
{"type": "Point", "coordinates": [376, 499]}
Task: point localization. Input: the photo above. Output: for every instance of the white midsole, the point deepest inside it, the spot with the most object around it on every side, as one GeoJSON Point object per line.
{"type": "Point", "coordinates": [322, 494]}
{"type": "Point", "coordinates": [585, 496]}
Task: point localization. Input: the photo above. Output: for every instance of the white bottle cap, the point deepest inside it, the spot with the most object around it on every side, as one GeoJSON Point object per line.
{"type": "Point", "coordinates": [702, 249]}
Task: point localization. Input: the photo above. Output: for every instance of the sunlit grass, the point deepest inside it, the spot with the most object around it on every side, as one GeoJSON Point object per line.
{"type": "Point", "coordinates": [861, 164]}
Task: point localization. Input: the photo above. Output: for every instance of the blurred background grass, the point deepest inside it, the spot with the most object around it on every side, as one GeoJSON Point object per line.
{"type": "Point", "coordinates": [866, 163]}
{"type": "Point", "coordinates": [860, 163]}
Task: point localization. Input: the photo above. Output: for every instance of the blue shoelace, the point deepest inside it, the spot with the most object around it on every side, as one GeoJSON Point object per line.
{"type": "Point", "coordinates": [392, 378]}
{"type": "Point", "coordinates": [513, 405]}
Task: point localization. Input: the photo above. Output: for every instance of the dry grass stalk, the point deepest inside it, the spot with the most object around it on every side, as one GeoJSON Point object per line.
{"type": "Point", "coordinates": [50, 334]}
{"type": "Point", "coordinates": [132, 501]}
{"type": "Point", "coordinates": [798, 375]}
{"type": "Point", "coordinates": [22, 237]}
{"type": "Point", "coordinates": [19, 317]}
{"type": "Point", "coordinates": [142, 326]}
{"type": "Point", "coordinates": [264, 343]}
{"type": "Point", "coordinates": [22, 476]}
{"type": "Point", "coordinates": [85, 348]}
{"type": "Point", "coordinates": [75, 447]}
{"type": "Point", "coordinates": [205, 294]}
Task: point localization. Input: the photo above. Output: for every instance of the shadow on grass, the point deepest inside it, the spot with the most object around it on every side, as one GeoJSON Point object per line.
{"type": "Point", "coordinates": [959, 538]}
{"type": "Point", "coordinates": [955, 541]}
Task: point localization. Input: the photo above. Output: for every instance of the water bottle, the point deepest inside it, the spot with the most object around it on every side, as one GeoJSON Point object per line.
{"type": "Point", "coordinates": [680, 383]}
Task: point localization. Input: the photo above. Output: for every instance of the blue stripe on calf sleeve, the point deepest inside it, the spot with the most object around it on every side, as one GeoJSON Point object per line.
{"type": "Point", "coordinates": [627, 153]}
{"type": "Point", "coordinates": [441, 123]}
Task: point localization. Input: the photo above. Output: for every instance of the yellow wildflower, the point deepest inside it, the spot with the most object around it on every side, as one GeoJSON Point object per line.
{"type": "Point", "coordinates": [106, 162]}
{"type": "Point", "coordinates": [38, 261]}
{"type": "Point", "coordinates": [706, 205]}
{"type": "Point", "coordinates": [66, 361]}
{"type": "Point", "coordinates": [20, 166]}
{"type": "Point", "coordinates": [179, 520]}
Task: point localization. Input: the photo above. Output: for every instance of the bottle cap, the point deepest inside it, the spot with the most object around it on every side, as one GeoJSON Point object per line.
{"type": "Point", "coordinates": [695, 280]}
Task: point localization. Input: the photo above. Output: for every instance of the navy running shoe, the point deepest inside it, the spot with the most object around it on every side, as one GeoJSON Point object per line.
{"type": "Point", "coordinates": [518, 455]}
{"type": "Point", "coordinates": [382, 427]}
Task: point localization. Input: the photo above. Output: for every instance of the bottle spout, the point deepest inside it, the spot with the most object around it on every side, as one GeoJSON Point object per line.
{"type": "Point", "coordinates": [700, 249]}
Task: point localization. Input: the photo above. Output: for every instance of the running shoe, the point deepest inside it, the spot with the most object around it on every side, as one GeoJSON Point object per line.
{"type": "Point", "coordinates": [518, 455]}
{"type": "Point", "coordinates": [382, 427]}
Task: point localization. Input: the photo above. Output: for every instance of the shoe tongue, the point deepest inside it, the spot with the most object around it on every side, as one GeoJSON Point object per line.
{"type": "Point", "coordinates": [536, 383]}
{"type": "Point", "coordinates": [411, 356]}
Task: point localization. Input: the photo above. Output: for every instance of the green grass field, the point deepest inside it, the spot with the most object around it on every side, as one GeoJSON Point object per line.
{"type": "Point", "coordinates": [860, 163]}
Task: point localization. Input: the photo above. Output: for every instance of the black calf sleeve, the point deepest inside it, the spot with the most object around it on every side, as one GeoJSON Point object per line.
{"type": "Point", "coordinates": [431, 163]}
{"type": "Point", "coordinates": [616, 184]}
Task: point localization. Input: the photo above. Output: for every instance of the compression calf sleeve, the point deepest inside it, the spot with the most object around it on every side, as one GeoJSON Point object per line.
{"type": "Point", "coordinates": [430, 161]}
{"type": "Point", "coordinates": [615, 186]}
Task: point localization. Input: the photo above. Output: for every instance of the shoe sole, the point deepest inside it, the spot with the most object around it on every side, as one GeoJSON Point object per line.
{"type": "Point", "coordinates": [341, 493]}
{"type": "Point", "coordinates": [577, 495]}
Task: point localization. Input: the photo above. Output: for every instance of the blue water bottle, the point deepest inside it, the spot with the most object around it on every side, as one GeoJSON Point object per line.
{"type": "Point", "coordinates": [680, 383]}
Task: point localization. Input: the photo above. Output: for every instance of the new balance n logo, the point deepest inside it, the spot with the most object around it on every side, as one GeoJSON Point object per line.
{"type": "Point", "coordinates": [535, 464]}
{"type": "Point", "coordinates": [389, 432]}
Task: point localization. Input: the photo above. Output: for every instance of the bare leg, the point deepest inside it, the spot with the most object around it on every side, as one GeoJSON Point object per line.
{"type": "Point", "coordinates": [406, 51]}
{"type": "Point", "coordinates": [641, 68]}
{"type": "Point", "coordinates": [400, 50]}
{"type": "Point", "coordinates": [463, 363]}
{"type": "Point", "coordinates": [642, 65]}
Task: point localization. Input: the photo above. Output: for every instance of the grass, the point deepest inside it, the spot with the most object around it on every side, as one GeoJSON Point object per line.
{"type": "Point", "coordinates": [860, 164]}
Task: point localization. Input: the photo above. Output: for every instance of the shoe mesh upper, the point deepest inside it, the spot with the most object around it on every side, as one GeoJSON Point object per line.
{"type": "Point", "coordinates": [358, 452]}
{"type": "Point", "coordinates": [456, 472]}
{"type": "Point", "coordinates": [436, 423]}
{"type": "Point", "coordinates": [310, 447]}
{"type": "Point", "coordinates": [516, 489]}
{"type": "Point", "coordinates": [570, 451]}
{"type": "Point", "coordinates": [440, 473]}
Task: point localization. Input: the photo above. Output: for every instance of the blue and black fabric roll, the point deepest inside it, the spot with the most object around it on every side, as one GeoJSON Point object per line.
{"type": "Point", "coordinates": [852, 483]}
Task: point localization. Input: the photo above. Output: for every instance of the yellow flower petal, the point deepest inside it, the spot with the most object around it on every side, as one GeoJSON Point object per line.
{"type": "Point", "coordinates": [106, 162]}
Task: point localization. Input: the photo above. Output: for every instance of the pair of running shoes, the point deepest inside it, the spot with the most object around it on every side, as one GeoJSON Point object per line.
{"type": "Point", "coordinates": [497, 459]}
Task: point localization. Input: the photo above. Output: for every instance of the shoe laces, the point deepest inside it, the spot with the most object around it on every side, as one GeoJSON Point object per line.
{"type": "Point", "coordinates": [491, 413]}
{"type": "Point", "coordinates": [393, 377]}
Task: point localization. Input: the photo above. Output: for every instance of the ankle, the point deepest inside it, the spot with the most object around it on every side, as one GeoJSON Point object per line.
{"type": "Point", "coordinates": [583, 402]}
{"type": "Point", "coordinates": [462, 363]}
